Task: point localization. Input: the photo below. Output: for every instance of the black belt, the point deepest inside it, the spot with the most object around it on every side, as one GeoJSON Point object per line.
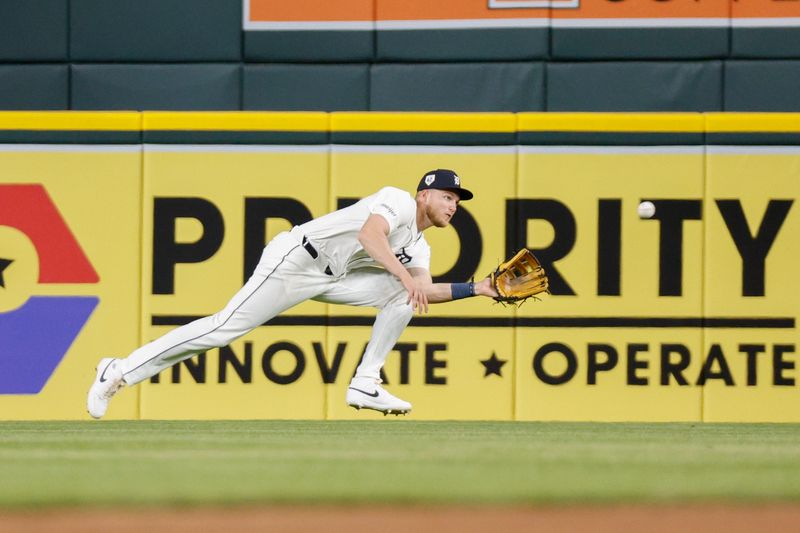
{"type": "Point", "coordinates": [310, 248]}
{"type": "Point", "coordinates": [313, 253]}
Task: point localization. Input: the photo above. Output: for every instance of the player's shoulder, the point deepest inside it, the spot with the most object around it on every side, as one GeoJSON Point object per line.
{"type": "Point", "coordinates": [394, 192]}
{"type": "Point", "coordinates": [397, 198]}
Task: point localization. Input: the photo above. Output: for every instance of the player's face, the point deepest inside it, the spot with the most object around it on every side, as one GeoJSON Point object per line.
{"type": "Point", "coordinates": [441, 207]}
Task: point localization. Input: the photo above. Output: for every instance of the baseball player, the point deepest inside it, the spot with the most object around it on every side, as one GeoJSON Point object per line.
{"type": "Point", "coordinates": [329, 259]}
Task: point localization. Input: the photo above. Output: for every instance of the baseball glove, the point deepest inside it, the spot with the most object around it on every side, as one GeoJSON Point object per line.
{"type": "Point", "coordinates": [519, 278]}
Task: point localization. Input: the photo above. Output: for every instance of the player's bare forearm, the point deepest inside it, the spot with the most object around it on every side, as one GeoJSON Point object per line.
{"type": "Point", "coordinates": [438, 292]}
{"type": "Point", "coordinates": [442, 292]}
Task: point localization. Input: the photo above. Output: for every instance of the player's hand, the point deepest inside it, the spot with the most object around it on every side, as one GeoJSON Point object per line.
{"type": "Point", "coordinates": [484, 287]}
{"type": "Point", "coordinates": [417, 297]}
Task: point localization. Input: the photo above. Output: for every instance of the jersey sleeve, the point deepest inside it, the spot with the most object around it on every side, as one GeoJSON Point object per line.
{"type": "Point", "coordinates": [395, 205]}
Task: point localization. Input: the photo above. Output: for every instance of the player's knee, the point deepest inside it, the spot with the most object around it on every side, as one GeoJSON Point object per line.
{"type": "Point", "coordinates": [399, 309]}
{"type": "Point", "coordinates": [229, 327]}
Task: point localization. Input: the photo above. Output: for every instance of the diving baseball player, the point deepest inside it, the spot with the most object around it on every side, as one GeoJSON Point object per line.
{"type": "Point", "coordinates": [329, 259]}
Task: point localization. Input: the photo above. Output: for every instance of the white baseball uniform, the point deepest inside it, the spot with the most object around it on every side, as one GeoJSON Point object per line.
{"type": "Point", "coordinates": [320, 260]}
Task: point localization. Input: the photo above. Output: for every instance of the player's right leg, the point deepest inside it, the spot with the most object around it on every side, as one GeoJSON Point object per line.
{"type": "Point", "coordinates": [284, 277]}
{"type": "Point", "coordinates": [365, 391]}
{"type": "Point", "coordinates": [374, 288]}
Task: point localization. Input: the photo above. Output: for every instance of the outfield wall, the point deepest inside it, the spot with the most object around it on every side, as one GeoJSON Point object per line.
{"type": "Point", "coordinates": [116, 227]}
{"type": "Point", "coordinates": [393, 55]}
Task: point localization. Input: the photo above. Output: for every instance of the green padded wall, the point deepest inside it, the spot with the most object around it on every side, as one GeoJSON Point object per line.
{"type": "Point", "coordinates": [195, 55]}
{"type": "Point", "coordinates": [306, 87]}
{"type": "Point", "coordinates": [155, 30]}
{"type": "Point", "coordinates": [506, 44]}
{"type": "Point", "coordinates": [457, 87]}
{"type": "Point", "coordinates": [141, 87]}
{"type": "Point", "coordinates": [635, 86]}
{"type": "Point", "coordinates": [33, 30]}
{"type": "Point", "coordinates": [639, 43]}
{"type": "Point", "coordinates": [309, 46]}
{"type": "Point", "coordinates": [765, 42]}
{"type": "Point", "coordinates": [762, 85]}
{"type": "Point", "coordinates": [32, 87]}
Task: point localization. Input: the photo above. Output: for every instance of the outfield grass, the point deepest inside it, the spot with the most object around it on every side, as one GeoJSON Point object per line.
{"type": "Point", "coordinates": [148, 462]}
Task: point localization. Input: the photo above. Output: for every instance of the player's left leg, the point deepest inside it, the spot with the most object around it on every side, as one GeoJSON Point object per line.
{"type": "Point", "coordinates": [374, 288]}
{"type": "Point", "coordinates": [285, 276]}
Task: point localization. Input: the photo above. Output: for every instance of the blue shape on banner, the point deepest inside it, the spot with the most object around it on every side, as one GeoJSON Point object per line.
{"type": "Point", "coordinates": [35, 338]}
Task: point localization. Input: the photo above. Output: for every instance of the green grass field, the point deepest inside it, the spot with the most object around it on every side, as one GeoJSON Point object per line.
{"type": "Point", "coordinates": [231, 462]}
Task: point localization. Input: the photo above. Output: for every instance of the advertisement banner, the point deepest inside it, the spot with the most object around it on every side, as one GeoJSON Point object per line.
{"type": "Point", "coordinates": [308, 15]}
{"type": "Point", "coordinates": [765, 13]}
{"type": "Point", "coordinates": [688, 313]}
{"type": "Point", "coordinates": [418, 14]}
{"type": "Point", "coordinates": [672, 13]}
{"type": "Point", "coordinates": [620, 337]}
{"type": "Point", "coordinates": [750, 256]}
{"type": "Point", "coordinates": [70, 246]}
{"type": "Point", "coordinates": [440, 363]}
{"type": "Point", "coordinates": [208, 213]}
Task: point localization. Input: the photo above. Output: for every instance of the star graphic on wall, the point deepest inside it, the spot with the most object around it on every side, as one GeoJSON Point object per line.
{"type": "Point", "coordinates": [493, 365]}
{"type": "Point", "coordinates": [4, 265]}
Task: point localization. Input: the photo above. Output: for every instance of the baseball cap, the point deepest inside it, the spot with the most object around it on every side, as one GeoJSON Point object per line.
{"type": "Point", "coordinates": [444, 179]}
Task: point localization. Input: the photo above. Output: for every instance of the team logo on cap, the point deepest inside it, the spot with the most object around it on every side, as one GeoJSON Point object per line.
{"type": "Point", "coordinates": [430, 179]}
{"type": "Point", "coordinates": [457, 180]}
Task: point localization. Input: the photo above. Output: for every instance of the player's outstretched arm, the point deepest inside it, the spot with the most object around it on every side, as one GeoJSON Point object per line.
{"type": "Point", "coordinates": [443, 292]}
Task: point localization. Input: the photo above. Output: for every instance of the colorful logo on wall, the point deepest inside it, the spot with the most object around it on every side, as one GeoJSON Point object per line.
{"type": "Point", "coordinates": [36, 331]}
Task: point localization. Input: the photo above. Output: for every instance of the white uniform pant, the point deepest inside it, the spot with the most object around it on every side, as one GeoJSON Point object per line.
{"type": "Point", "coordinates": [285, 276]}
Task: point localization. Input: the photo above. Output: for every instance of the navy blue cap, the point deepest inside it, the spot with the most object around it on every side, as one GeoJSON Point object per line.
{"type": "Point", "coordinates": [446, 180]}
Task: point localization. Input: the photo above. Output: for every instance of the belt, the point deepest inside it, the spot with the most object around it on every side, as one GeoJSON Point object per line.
{"type": "Point", "coordinates": [309, 248]}
{"type": "Point", "coordinates": [313, 253]}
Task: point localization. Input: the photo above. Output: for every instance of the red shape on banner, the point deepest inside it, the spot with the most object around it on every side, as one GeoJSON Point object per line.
{"type": "Point", "coordinates": [30, 209]}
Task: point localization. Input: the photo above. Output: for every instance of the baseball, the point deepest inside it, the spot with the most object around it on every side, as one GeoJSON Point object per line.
{"type": "Point", "coordinates": [646, 209]}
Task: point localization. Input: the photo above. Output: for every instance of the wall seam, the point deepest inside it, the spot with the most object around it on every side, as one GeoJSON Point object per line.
{"type": "Point", "coordinates": [141, 256]}
{"type": "Point", "coordinates": [70, 104]}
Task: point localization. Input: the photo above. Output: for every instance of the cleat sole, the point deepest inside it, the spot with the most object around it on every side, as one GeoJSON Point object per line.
{"type": "Point", "coordinates": [385, 412]}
